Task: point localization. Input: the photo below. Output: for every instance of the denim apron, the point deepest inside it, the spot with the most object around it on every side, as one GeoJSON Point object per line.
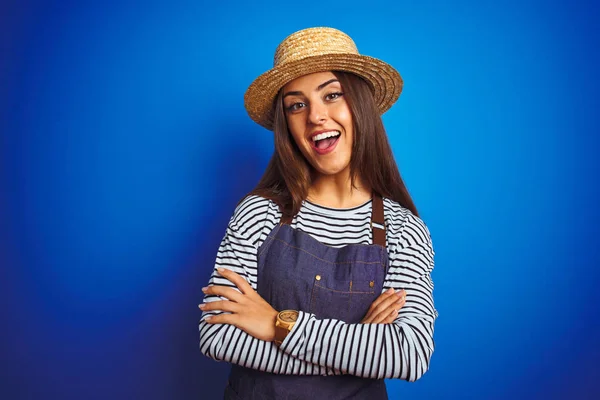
{"type": "Point", "coordinates": [297, 272]}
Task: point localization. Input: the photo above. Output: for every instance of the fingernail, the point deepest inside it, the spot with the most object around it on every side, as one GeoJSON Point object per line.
{"type": "Point", "coordinates": [399, 294]}
{"type": "Point", "coordinates": [201, 306]}
{"type": "Point", "coordinates": [390, 290]}
{"type": "Point", "coordinates": [220, 269]}
{"type": "Point", "coordinates": [207, 319]}
{"type": "Point", "coordinates": [204, 289]}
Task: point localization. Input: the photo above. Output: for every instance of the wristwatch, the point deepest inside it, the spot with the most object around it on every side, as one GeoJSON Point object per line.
{"type": "Point", "coordinates": [284, 323]}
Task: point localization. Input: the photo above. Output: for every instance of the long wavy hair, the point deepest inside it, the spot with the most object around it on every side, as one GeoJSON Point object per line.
{"type": "Point", "coordinates": [288, 176]}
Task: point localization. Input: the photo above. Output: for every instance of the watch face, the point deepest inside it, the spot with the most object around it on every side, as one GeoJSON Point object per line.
{"type": "Point", "coordinates": [288, 316]}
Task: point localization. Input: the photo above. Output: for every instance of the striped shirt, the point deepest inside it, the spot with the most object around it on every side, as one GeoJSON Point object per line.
{"type": "Point", "coordinates": [401, 349]}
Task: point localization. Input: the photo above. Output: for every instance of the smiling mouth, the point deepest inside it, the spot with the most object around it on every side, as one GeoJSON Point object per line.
{"type": "Point", "coordinates": [325, 142]}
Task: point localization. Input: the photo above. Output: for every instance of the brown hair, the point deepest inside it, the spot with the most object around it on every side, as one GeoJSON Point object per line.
{"type": "Point", "coordinates": [288, 175]}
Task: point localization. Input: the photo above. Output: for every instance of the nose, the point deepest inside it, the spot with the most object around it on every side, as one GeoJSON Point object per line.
{"type": "Point", "coordinates": [318, 113]}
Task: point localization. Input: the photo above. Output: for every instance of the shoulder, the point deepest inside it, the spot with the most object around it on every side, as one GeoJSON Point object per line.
{"type": "Point", "coordinates": [250, 207]}
{"type": "Point", "coordinates": [405, 228]}
{"type": "Point", "coordinates": [252, 216]}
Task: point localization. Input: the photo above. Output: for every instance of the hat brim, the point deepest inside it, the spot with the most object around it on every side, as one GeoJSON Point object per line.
{"type": "Point", "coordinates": [385, 82]}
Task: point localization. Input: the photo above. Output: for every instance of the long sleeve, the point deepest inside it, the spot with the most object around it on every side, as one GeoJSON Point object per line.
{"type": "Point", "coordinates": [226, 342]}
{"type": "Point", "coordinates": [399, 350]}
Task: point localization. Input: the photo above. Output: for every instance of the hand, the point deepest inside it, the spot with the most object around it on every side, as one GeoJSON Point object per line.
{"type": "Point", "coordinates": [384, 309]}
{"type": "Point", "coordinates": [249, 312]}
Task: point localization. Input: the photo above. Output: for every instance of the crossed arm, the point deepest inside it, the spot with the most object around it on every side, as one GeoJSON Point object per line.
{"type": "Point", "coordinates": [238, 325]}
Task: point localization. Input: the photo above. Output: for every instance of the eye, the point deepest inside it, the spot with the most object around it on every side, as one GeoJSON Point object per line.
{"type": "Point", "coordinates": [295, 107]}
{"type": "Point", "coordinates": [333, 96]}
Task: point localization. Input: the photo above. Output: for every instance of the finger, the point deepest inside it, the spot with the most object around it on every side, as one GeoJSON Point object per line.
{"type": "Point", "coordinates": [386, 305]}
{"type": "Point", "coordinates": [381, 317]}
{"type": "Point", "coordinates": [221, 319]}
{"type": "Point", "coordinates": [236, 279]}
{"type": "Point", "coordinates": [387, 317]}
{"type": "Point", "coordinates": [379, 304]}
{"type": "Point", "coordinates": [377, 315]}
{"type": "Point", "coordinates": [223, 291]}
{"type": "Point", "coordinates": [220, 305]}
{"type": "Point", "coordinates": [382, 297]}
{"type": "Point", "coordinates": [377, 301]}
{"type": "Point", "coordinates": [384, 313]}
{"type": "Point", "coordinates": [391, 318]}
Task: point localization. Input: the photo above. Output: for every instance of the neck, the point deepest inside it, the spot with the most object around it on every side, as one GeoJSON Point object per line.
{"type": "Point", "coordinates": [336, 191]}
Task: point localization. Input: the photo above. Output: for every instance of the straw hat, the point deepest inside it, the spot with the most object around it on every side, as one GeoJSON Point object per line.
{"type": "Point", "coordinates": [317, 50]}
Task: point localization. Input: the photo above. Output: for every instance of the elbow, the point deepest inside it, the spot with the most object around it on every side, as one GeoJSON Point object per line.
{"type": "Point", "coordinates": [412, 370]}
{"type": "Point", "coordinates": [421, 366]}
{"type": "Point", "coordinates": [419, 374]}
{"type": "Point", "coordinates": [206, 343]}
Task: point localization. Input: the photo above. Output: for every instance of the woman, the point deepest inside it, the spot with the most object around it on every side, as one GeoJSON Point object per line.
{"type": "Point", "coordinates": [322, 285]}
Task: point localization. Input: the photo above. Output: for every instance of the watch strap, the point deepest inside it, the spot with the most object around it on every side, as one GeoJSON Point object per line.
{"type": "Point", "coordinates": [280, 335]}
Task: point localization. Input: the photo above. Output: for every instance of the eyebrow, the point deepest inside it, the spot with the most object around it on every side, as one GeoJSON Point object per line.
{"type": "Point", "coordinates": [321, 86]}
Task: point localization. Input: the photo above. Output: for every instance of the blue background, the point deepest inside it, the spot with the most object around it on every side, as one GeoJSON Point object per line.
{"type": "Point", "coordinates": [125, 147]}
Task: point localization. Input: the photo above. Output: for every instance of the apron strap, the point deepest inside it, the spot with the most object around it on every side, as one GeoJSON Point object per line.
{"type": "Point", "coordinates": [377, 220]}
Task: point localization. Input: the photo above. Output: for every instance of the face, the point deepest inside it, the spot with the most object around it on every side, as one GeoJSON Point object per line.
{"type": "Point", "coordinates": [320, 121]}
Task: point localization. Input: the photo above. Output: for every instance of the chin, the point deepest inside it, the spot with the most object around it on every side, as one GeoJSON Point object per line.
{"type": "Point", "coordinates": [332, 170]}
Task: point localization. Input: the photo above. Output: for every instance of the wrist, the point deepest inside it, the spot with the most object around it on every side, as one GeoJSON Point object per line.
{"type": "Point", "coordinates": [272, 323]}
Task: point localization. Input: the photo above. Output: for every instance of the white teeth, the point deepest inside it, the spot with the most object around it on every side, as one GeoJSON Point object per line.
{"type": "Point", "coordinates": [325, 135]}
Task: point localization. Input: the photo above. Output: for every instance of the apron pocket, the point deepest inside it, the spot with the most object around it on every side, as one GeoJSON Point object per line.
{"type": "Point", "coordinates": [345, 300]}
